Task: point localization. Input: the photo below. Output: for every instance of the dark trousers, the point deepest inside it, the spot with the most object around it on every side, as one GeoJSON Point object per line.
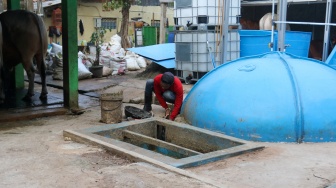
{"type": "Point", "coordinates": [168, 96]}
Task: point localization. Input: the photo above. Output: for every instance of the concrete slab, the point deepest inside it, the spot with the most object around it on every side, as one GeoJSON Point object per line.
{"type": "Point", "coordinates": [164, 141]}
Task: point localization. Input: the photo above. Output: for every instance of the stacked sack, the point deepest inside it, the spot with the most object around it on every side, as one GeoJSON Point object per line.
{"type": "Point", "coordinates": [56, 65]}
{"type": "Point", "coordinates": [114, 56]}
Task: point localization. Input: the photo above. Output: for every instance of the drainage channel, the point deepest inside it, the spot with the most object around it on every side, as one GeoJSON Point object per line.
{"type": "Point", "coordinates": [172, 143]}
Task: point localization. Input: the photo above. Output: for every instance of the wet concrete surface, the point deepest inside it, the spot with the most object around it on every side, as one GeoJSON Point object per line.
{"type": "Point", "coordinates": [15, 109]}
{"type": "Point", "coordinates": [15, 100]}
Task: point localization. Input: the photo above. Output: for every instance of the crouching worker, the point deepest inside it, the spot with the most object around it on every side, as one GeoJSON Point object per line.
{"type": "Point", "coordinates": [167, 88]}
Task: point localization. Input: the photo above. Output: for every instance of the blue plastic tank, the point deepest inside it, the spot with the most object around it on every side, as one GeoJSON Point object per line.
{"type": "Point", "coordinates": [272, 97]}
{"type": "Point", "coordinates": [255, 42]}
{"type": "Point", "coordinates": [171, 37]}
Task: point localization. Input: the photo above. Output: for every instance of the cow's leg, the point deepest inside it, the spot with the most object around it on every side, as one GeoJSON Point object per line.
{"type": "Point", "coordinates": [42, 71]}
{"type": "Point", "coordinates": [28, 66]}
{"type": "Point", "coordinates": [2, 89]}
{"type": "Point", "coordinates": [2, 92]}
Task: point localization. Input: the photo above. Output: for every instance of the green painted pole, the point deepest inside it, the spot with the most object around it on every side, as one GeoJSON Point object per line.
{"type": "Point", "coordinates": [13, 4]}
{"type": "Point", "coordinates": [18, 77]}
{"type": "Point", "coordinates": [70, 51]}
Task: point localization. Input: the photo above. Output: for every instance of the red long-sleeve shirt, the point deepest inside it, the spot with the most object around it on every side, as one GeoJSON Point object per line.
{"type": "Point", "coordinates": [176, 87]}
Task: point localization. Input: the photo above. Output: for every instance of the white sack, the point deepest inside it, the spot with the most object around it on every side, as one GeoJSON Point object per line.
{"type": "Point", "coordinates": [83, 72]}
{"type": "Point", "coordinates": [56, 48]}
{"type": "Point", "coordinates": [141, 62]}
{"type": "Point", "coordinates": [132, 64]}
{"type": "Point", "coordinates": [107, 71]}
{"type": "Point", "coordinates": [116, 38]}
{"type": "Point", "coordinates": [118, 67]}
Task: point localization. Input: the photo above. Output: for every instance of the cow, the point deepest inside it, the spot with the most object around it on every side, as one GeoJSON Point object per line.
{"type": "Point", "coordinates": [23, 39]}
{"type": "Point", "coordinates": [265, 22]}
{"type": "Point", "coordinates": [248, 24]}
{"type": "Point", "coordinates": [316, 48]}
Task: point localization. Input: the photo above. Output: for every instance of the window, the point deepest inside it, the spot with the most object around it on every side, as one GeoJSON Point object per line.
{"type": "Point", "coordinates": [183, 4]}
{"type": "Point", "coordinates": [150, 3]}
{"type": "Point", "coordinates": [147, 2]}
{"type": "Point", "coordinates": [109, 23]}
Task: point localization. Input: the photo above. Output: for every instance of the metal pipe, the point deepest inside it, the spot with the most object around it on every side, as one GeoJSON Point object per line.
{"type": "Point", "coordinates": [282, 26]}
{"type": "Point", "coordinates": [225, 30]}
{"type": "Point", "coordinates": [272, 34]}
{"type": "Point", "coordinates": [306, 23]}
{"type": "Point", "coordinates": [327, 30]}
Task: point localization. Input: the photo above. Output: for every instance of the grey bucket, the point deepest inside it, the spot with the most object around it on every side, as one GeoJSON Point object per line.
{"type": "Point", "coordinates": [111, 104]}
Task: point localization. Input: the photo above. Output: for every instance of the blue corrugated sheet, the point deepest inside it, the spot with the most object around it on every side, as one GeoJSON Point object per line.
{"type": "Point", "coordinates": [162, 54]}
{"type": "Point", "coordinates": [331, 60]}
{"type": "Point", "coordinates": [169, 63]}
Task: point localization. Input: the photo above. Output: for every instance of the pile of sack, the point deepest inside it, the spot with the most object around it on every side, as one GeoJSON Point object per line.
{"type": "Point", "coordinates": [115, 60]}
{"type": "Point", "coordinates": [112, 55]}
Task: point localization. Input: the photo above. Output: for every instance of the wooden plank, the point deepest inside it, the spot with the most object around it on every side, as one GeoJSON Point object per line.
{"type": "Point", "coordinates": [159, 143]}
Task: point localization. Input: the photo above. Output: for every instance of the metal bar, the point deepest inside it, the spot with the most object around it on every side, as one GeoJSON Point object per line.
{"type": "Point", "coordinates": [272, 36]}
{"type": "Point", "coordinates": [268, 2]}
{"type": "Point", "coordinates": [225, 28]}
{"type": "Point", "coordinates": [306, 23]}
{"type": "Point", "coordinates": [282, 26]}
{"type": "Point", "coordinates": [327, 30]}
{"type": "Point", "coordinates": [157, 142]}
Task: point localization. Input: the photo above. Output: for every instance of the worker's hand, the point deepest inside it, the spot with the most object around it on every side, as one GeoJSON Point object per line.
{"type": "Point", "coordinates": [167, 113]}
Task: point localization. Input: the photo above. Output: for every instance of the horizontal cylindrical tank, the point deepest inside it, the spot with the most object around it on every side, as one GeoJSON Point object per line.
{"type": "Point", "coordinates": [273, 97]}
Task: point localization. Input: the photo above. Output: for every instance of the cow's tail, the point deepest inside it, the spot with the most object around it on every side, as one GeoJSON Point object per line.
{"type": "Point", "coordinates": [40, 25]}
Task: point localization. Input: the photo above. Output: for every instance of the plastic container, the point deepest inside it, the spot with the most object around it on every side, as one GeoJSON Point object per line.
{"type": "Point", "coordinates": [171, 37]}
{"type": "Point", "coordinates": [259, 98]}
{"type": "Point", "coordinates": [255, 42]}
{"type": "Point", "coordinates": [298, 43]}
{"type": "Point", "coordinates": [111, 104]}
{"type": "Point", "coordinates": [195, 10]}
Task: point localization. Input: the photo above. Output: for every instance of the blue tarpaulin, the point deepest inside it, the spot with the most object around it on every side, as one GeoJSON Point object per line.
{"type": "Point", "coordinates": [162, 54]}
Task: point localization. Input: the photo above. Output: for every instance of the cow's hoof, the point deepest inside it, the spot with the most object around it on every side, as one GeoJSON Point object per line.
{"type": "Point", "coordinates": [27, 98]}
{"type": "Point", "coordinates": [43, 97]}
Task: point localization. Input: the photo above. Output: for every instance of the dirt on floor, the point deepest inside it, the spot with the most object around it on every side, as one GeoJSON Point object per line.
{"type": "Point", "coordinates": [33, 153]}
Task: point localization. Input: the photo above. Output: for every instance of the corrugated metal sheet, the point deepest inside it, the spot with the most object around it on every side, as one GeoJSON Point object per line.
{"type": "Point", "coordinates": [50, 3]}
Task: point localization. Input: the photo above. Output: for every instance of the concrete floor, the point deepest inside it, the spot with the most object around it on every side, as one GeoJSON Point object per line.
{"type": "Point", "coordinates": [34, 154]}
